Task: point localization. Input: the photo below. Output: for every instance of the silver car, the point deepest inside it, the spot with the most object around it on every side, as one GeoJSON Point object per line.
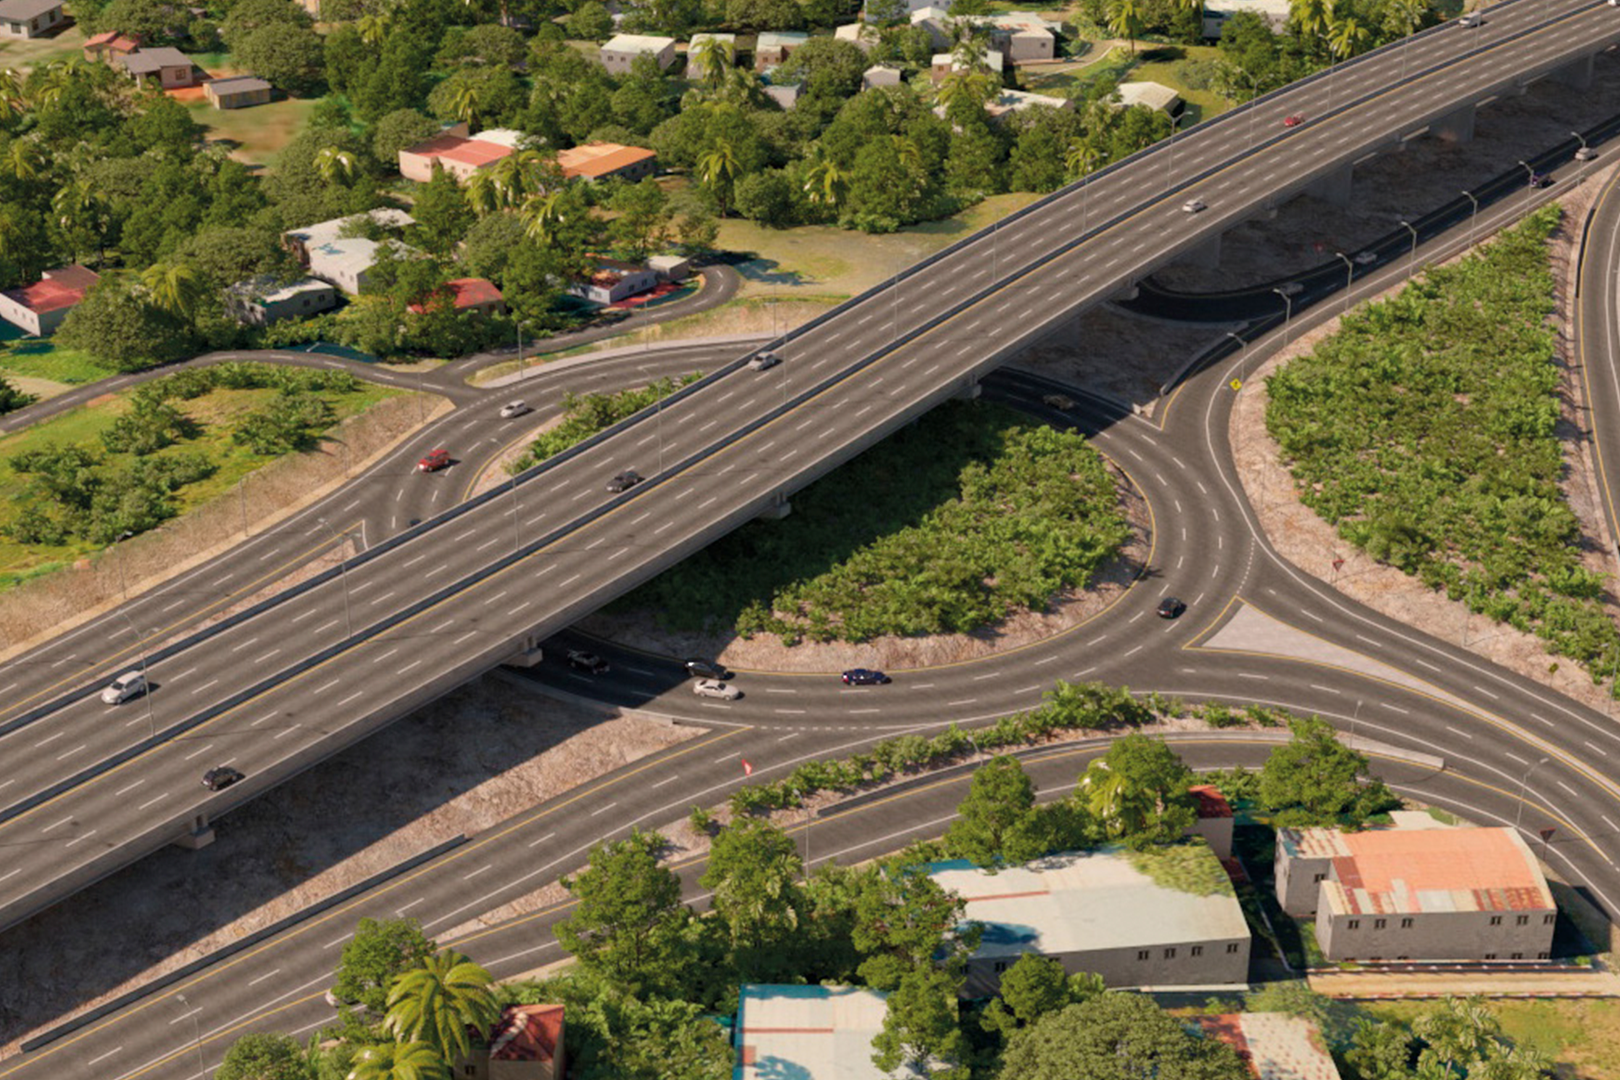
{"type": "Point", "coordinates": [129, 684]}
{"type": "Point", "coordinates": [716, 689]}
{"type": "Point", "coordinates": [1193, 206]}
{"type": "Point", "coordinates": [513, 408]}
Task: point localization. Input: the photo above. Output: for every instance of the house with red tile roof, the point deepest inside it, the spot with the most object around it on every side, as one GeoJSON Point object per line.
{"type": "Point", "coordinates": [475, 295]}
{"type": "Point", "coordinates": [458, 155]}
{"type": "Point", "coordinates": [40, 308]}
{"type": "Point", "coordinates": [106, 48]}
{"type": "Point", "coordinates": [526, 1043]}
{"type": "Point", "coordinates": [1215, 820]}
{"type": "Point", "coordinates": [1418, 891]}
{"type": "Point", "coordinates": [602, 161]}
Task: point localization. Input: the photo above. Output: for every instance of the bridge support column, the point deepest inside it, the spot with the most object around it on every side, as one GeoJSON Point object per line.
{"type": "Point", "coordinates": [1457, 127]}
{"type": "Point", "coordinates": [528, 654]}
{"type": "Point", "coordinates": [1577, 74]}
{"type": "Point", "coordinates": [968, 392]}
{"type": "Point", "coordinates": [779, 509]}
{"type": "Point", "coordinates": [1206, 255]}
{"type": "Point", "coordinates": [1128, 293]}
{"type": "Point", "coordinates": [200, 836]}
{"type": "Point", "coordinates": [1334, 187]}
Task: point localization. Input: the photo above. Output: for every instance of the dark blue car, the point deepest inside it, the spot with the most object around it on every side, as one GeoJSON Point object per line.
{"type": "Point", "coordinates": [864, 677]}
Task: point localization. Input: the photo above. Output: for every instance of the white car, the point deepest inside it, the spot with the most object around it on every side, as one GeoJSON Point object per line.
{"type": "Point", "coordinates": [1193, 206]}
{"type": "Point", "coordinates": [764, 360]}
{"type": "Point", "coordinates": [129, 684]}
{"type": "Point", "coordinates": [716, 689]}
{"type": "Point", "coordinates": [1473, 18]}
{"type": "Point", "coordinates": [1365, 258]}
{"type": "Point", "coordinates": [513, 408]}
{"type": "Point", "coordinates": [1586, 153]}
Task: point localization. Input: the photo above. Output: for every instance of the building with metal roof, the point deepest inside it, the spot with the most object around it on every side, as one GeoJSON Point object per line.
{"type": "Point", "coordinates": [810, 1033]}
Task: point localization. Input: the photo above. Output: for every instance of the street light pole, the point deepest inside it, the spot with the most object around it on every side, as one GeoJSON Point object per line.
{"type": "Point", "coordinates": [517, 533]}
{"type": "Point", "coordinates": [1474, 220]}
{"type": "Point", "coordinates": [658, 412]}
{"type": "Point", "coordinates": [1411, 259]}
{"type": "Point", "coordinates": [1288, 313]}
{"type": "Point", "coordinates": [1170, 172]}
{"type": "Point", "coordinates": [1530, 182]}
{"type": "Point", "coordinates": [343, 573]}
{"type": "Point", "coordinates": [196, 1034]}
{"type": "Point", "coordinates": [118, 558]}
{"type": "Point", "coordinates": [1349, 277]}
{"type": "Point", "coordinates": [146, 682]}
{"type": "Point", "coordinates": [1524, 782]}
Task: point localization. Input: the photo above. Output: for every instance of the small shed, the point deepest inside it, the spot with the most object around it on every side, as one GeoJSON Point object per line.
{"type": "Point", "coordinates": [772, 49]}
{"type": "Point", "coordinates": [880, 75]}
{"type": "Point", "coordinates": [237, 92]}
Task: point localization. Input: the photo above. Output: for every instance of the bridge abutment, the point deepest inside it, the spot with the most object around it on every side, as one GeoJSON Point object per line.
{"type": "Point", "coordinates": [1455, 127]}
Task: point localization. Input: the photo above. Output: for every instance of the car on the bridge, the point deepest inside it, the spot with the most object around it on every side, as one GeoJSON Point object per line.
{"type": "Point", "coordinates": [864, 677]}
{"type": "Point", "coordinates": [1171, 607]}
{"type": "Point", "coordinates": [1194, 205]}
{"type": "Point", "coordinates": [764, 360]}
{"type": "Point", "coordinates": [580, 660]}
{"type": "Point", "coordinates": [716, 689]}
{"type": "Point", "coordinates": [129, 684]}
{"type": "Point", "coordinates": [1587, 153]}
{"type": "Point", "coordinates": [514, 408]}
{"type": "Point", "coordinates": [1293, 120]}
{"type": "Point", "coordinates": [1540, 180]}
{"type": "Point", "coordinates": [434, 461]}
{"type": "Point", "coordinates": [1366, 258]}
{"type": "Point", "coordinates": [624, 481]}
{"type": "Point", "coordinates": [1062, 402]}
{"type": "Point", "coordinates": [707, 669]}
{"type": "Point", "coordinates": [221, 777]}
{"type": "Point", "coordinates": [1473, 18]}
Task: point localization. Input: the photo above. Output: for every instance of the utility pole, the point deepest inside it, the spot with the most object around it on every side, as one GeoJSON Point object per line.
{"type": "Point", "coordinates": [343, 573]}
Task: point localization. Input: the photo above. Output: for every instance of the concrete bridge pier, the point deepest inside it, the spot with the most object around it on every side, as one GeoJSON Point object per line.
{"type": "Point", "coordinates": [779, 508]}
{"type": "Point", "coordinates": [1206, 255]}
{"type": "Point", "coordinates": [1334, 187]}
{"type": "Point", "coordinates": [1456, 127]}
{"type": "Point", "coordinates": [200, 836]}
{"type": "Point", "coordinates": [1577, 74]}
{"type": "Point", "coordinates": [528, 652]}
{"type": "Point", "coordinates": [969, 391]}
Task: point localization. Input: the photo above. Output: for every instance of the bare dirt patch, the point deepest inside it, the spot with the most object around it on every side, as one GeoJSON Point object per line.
{"type": "Point", "coordinates": [492, 749]}
{"type": "Point", "coordinates": [1308, 542]}
{"type": "Point", "coordinates": [1307, 231]}
{"type": "Point", "coordinates": [1068, 610]}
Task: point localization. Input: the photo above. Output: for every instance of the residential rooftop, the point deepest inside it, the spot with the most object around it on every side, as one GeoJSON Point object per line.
{"type": "Point", "coordinates": [1411, 871]}
{"type": "Point", "coordinates": [148, 61]}
{"type": "Point", "coordinates": [26, 10]}
{"type": "Point", "coordinates": [238, 84]}
{"type": "Point", "coordinates": [599, 159]}
{"type": "Point", "coordinates": [1081, 901]}
{"type": "Point", "coordinates": [1274, 1045]}
{"type": "Point", "coordinates": [526, 1033]}
{"type": "Point", "coordinates": [474, 152]}
{"type": "Point", "coordinates": [809, 1033]}
{"type": "Point", "coordinates": [324, 232]}
{"type": "Point", "coordinates": [650, 43]}
{"type": "Point", "coordinates": [57, 289]}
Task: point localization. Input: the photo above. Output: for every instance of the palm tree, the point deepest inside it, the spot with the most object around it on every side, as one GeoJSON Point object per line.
{"type": "Point", "coordinates": [718, 167]}
{"type": "Point", "coordinates": [79, 209]}
{"type": "Point", "coordinates": [176, 288]}
{"type": "Point", "coordinates": [1080, 158]}
{"type": "Point", "coordinates": [372, 27]}
{"type": "Point", "coordinates": [332, 163]}
{"type": "Point", "coordinates": [824, 182]}
{"type": "Point", "coordinates": [13, 100]}
{"type": "Point", "coordinates": [1347, 35]}
{"type": "Point", "coordinates": [1401, 17]}
{"type": "Point", "coordinates": [1310, 17]}
{"type": "Point", "coordinates": [965, 85]}
{"type": "Point", "coordinates": [399, 1061]}
{"type": "Point", "coordinates": [23, 159]}
{"type": "Point", "coordinates": [714, 57]}
{"type": "Point", "coordinates": [541, 215]}
{"type": "Point", "coordinates": [1125, 19]}
{"type": "Point", "coordinates": [468, 104]}
{"type": "Point", "coordinates": [439, 1001]}
{"type": "Point", "coordinates": [515, 178]}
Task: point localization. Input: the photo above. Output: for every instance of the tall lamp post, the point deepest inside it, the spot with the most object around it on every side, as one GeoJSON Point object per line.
{"type": "Point", "coordinates": [1288, 312]}
{"type": "Point", "coordinates": [1349, 277]}
{"type": "Point", "coordinates": [1530, 181]}
{"type": "Point", "coordinates": [146, 683]}
{"type": "Point", "coordinates": [343, 573]}
{"type": "Point", "coordinates": [196, 1033]}
{"type": "Point", "coordinates": [1474, 219]}
{"type": "Point", "coordinates": [1524, 782]}
{"type": "Point", "coordinates": [1411, 258]}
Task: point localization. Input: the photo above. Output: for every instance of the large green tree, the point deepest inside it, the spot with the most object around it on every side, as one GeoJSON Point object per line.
{"type": "Point", "coordinates": [264, 1055]}
{"type": "Point", "coordinates": [1116, 1036]}
{"type": "Point", "coordinates": [1315, 779]}
{"type": "Point", "coordinates": [628, 922]}
{"type": "Point", "coordinates": [920, 1027]}
{"type": "Point", "coordinates": [903, 920]}
{"type": "Point", "coordinates": [1138, 792]}
{"type": "Point", "coordinates": [379, 952]}
{"type": "Point", "coordinates": [439, 1001]}
{"type": "Point", "coordinates": [753, 872]}
{"type": "Point", "coordinates": [997, 822]}
{"type": "Point", "coordinates": [1031, 988]}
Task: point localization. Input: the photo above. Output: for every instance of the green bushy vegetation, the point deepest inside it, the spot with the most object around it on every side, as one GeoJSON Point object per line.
{"type": "Point", "coordinates": [1424, 431]}
{"type": "Point", "coordinates": [1185, 867]}
{"type": "Point", "coordinates": [949, 525]}
{"type": "Point", "coordinates": [587, 414]}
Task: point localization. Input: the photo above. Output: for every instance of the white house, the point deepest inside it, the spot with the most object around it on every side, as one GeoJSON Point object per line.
{"type": "Point", "coordinates": [345, 261]}
{"type": "Point", "coordinates": [40, 308]}
{"type": "Point", "coordinates": [29, 18]}
{"type": "Point", "coordinates": [615, 280]}
{"type": "Point", "coordinates": [810, 1033]}
{"type": "Point", "coordinates": [622, 49]}
{"type": "Point", "coordinates": [262, 301]}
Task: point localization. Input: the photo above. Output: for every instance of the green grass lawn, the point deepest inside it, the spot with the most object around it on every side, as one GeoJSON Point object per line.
{"type": "Point", "coordinates": [1579, 1035]}
{"type": "Point", "coordinates": [216, 411]}
{"type": "Point", "coordinates": [42, 360]}
{"type": "Point", "coordinates": [255, 135]}
{"type": "Point", "coordinates": [1180, 75]}
{"type": "Point", "coordinates": [26, 55]}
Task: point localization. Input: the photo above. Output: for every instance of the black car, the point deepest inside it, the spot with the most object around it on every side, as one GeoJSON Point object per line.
{"type": "Point", "coordinates": [1171, 607]}
{"type": "Point", "coordinates": [587, 661]}
{"type": "Point", "coordinates": [864, 677]}
{"type": "Point", "coordinates": [221, 777]}
{"type": "Point", "coordinates": [707, 669]}
{"type": "Point", "coordinates": [1540, 180]}
{"type": "Point", "coordinates": [624, 481]}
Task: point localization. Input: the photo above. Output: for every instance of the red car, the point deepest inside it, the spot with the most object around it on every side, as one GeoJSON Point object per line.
{"type": "Point", "coordinates": [435, 461]}
{"type": "Point", "coordinates": [1293, 121]}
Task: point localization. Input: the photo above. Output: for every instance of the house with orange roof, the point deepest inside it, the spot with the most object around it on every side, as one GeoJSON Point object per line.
{"type": "Point", "coordinates": [474, 295]}
{"type": "Point", "coordinates": [107, 48]}
{"type": "Point", "coordinates": [1418, 890]}
{"type": "Point", "coordinates": [458, 155]}
{"type": "Point", "coordinates": [526, 1043]}
{"type": "Point", "coordinates": [602, 161]}
{"type": "Point", "coordinates": [1215, 820]}
{"type": "Point", "coordinates": [40, 308]}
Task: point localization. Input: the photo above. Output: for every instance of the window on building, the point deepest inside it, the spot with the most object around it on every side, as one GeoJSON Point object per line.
{"type": "Point", "coordinates": [1197, 950]}
{"type": "Point", "coordinates": [1379, 924]}
{"type": "Point", "coordinates": [1542, 955]}
{"type": "Point", "coordinates": [1319, 877]}
{"type": "Point", "coordinates": [1232, 948]}
{"type": "Point", "coordinates": [1406, 924]}
{"type": "Point", "coordinates": [1353, 924]}
{"type": "Point", "coordinates": [1516, 956]}
{"type": "Point", "coordinates": [1496, 920]}
{"type": "Point", "coordinates": [1522, 920]}
{"type": "Point", "coordinates": [1547, 920]}
{"type": "Point", "coordinates": [1143, 954]}
{"type": "Point", "coordinates": [1001, 965]}
{"type": "Point", "coordinates": [1170, 953]}
{"type": "Point", "coordinates": [469, 1070]}
{"type": "Point", "coordinates": [1490, 956]}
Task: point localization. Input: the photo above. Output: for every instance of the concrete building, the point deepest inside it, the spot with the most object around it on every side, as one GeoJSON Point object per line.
{"type": "Point", "coordinates": [40, 308]}
{"type": "Point", "coordinates": [916, 5]}
{"type": "Point", "coordinates": [698, 46]}
{"type": "Point", "coordinates": [670, 267]}
{"type": "Point", "coordinates": [1274, 1045]}
{"type": "Point", "coordinates": [944, 65]}
{"type": "Point", "coordinates": [773, 48]}
{"type": "Point", "coordinates": [169, 68]}
{"type": "Point", "coordinates": [810, 1033]}
{"type": "Point", "coordinates": [615, 280]}
{"type": "Point", "coordinates": [863, 36]}
{"type": "Point", "coordinates": [1152, 95]}
{"type": "Point", "coordinates": [107, 48]}
{"type": "Point", "coordinates": [29, 18]}
{"type": "Point", "coordinates": [457, 155]}
{"type": "Point", "coordinates": [344, 261]}
{"type": "Point", "coordinates": [1417, 891]}
{"type": "Point", "coordinates": [1275, 12]}
{"type": "Point", "coordinates": [262, 301]}
{"type": "Point", "coordinates": [622, 49]}
{"type": "Point", "coordinates": [1101, 911]}
{"type": "Point", "coordinates": [472, 296]}
{"type": "Point", "coordinates": [1021, 36]}
{"type": "Point", "coordinates": [526, 1043]}
{"type": "Point", "coordinates": [880, 75]}
{"type": "Point", "coordinates": [1214, 824]}
{"type": "Point", "coordinates": [238, 92]}
{"type": "Point", "coordinates": [784, 94]}
{"type": "Point", "coordinates": [602, 161]}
